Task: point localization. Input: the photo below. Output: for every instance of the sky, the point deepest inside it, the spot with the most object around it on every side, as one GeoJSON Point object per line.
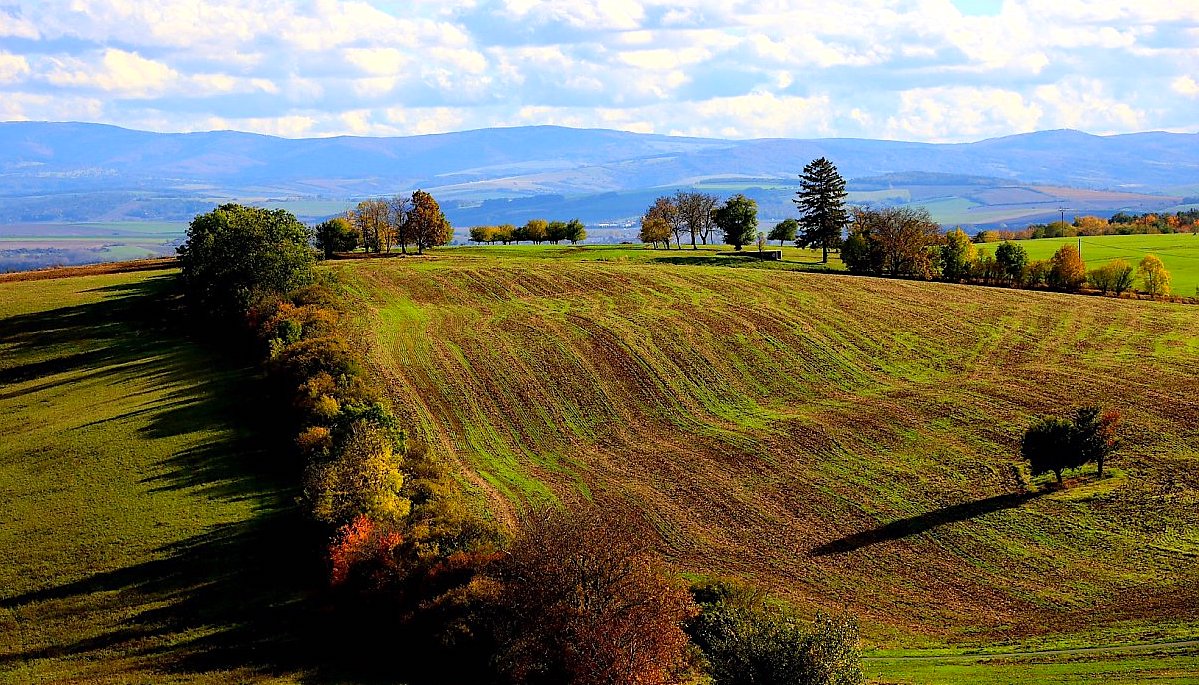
{"type": "Point", "coordinates": [922, 70]}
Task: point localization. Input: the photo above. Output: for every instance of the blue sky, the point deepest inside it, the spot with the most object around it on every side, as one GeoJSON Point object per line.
{"type": "Point", "coordinates": [927, 70]}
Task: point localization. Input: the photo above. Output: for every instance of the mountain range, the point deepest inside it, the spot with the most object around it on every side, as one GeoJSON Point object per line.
{"type": "Point", "coordinates": [93, 172]}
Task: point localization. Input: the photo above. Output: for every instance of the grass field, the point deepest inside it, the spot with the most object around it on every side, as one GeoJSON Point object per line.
{"type": "Point", "coordinates": [847, 442]}
{"type": "Point", "coordinates": [1179, 252]}
{"type": "Point", "coordinates": [141, 538]}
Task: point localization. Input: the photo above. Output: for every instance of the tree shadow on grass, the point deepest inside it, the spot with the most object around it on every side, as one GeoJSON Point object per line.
{"type": "Point", "coordinates": [922, 523]}
{"type": "Point", "coordinates": [243, 596]}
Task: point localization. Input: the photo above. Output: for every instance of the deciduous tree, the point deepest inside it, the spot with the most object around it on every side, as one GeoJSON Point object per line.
{"type": "Point", "coordinates": [1154, 277]}
{"type": "Point", "coordinates": [1066, 269]}
{"type": "Point", "coordinates": [582, 602]}
{"type": "Point", "coordinates": [576, 232]}
{"type": "Point", "coordinates": [957, 254]}
{"type": "Point", "coordinates": [234, 255]}
{"type": "Point", "coordinates": [658, 221]}
{"type": "Point", "coordinates": [899, 241]}
{"type": "Point", "coordinates": [1012, 260]}
{"type": "Point", "coordinates": [784, 231]}
{"type": "Point", "coordinates": [536, 230]}
{"type": "Point", "coordinates": [738, 219]}
{"type": "Point", "coordinates": [426, 222]}
{"type": "Point", "coordinates": [335, 235]}
{"type": "Point", "coordinates": [695, 214]}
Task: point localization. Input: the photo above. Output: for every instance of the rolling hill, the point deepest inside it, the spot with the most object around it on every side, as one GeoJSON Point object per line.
{"type": "Point", "coordinates": [844, 441]}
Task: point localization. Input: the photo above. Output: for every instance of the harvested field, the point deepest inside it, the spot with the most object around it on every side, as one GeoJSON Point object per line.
{"type": "Point", "coordinates": [847, 442]}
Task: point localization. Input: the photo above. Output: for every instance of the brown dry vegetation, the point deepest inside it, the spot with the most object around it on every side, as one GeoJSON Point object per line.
{"type": "Point", "coordinates": [842, 441]}
{"type": "Point", "coordinates": [130, 266]}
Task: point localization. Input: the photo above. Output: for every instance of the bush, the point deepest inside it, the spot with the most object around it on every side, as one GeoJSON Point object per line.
{"type": "Point", "coordinates": [1154, 276]}
{"type": "Point", "coordinates": [582, 602]}
{"type": "Point", "coordinates": [1115, 276]}
{"type": "Point", "coordinates": [1037, 273]}
{"type": "Point", "coordinates": [746, 642]}
{"type": "Point", "coordinates": [362, 478]}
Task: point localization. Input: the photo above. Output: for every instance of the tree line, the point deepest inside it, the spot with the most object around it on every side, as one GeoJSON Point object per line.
{"type": "Point", "coordinates": [905, 242]}
{"type": "Point", "coordinates": [380, 224]}
{"type": "Point", "coordinates": [536, 231]}
{"type": "Point", "coordinates": [1121, 223]}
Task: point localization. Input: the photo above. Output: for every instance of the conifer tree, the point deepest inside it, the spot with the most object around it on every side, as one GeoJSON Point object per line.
{"type": "Point", "coordinates": [821, 204]}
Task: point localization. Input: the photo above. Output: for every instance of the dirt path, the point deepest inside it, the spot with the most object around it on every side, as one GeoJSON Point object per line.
{"type": "Point", "coordinates": [1114, 649]}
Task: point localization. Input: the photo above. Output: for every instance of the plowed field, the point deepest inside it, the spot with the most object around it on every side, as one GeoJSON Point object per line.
{"type": "Point", "coordinates": [847, 442]}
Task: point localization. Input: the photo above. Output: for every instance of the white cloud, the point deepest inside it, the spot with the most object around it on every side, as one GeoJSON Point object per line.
{"type": "Point", "coordinates": [13, 68]}
{"type": "Point", "coordinates": [1186, 86]}
{"type": "Point", "coordinates": [950, 114]}
{"type": "Point", "coordinates": [114, 71]}
{"type": "Point", "coordinates": [915, 69]}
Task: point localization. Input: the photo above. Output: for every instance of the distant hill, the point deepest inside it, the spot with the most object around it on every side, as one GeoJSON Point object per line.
{"type": "Point", "coordinates": [89, 172]}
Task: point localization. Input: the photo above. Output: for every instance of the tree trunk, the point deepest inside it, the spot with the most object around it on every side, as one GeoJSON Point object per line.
{"type": "Point", "coordinates": [1058, 473]}
{"type": "Point", "coordinates": [824, 247]}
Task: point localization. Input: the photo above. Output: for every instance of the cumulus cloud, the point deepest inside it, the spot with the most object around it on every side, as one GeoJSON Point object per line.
{"type": "Point", "coordinates": [12, 67]}
{"type": "Point", "coordinates": [916, 69]}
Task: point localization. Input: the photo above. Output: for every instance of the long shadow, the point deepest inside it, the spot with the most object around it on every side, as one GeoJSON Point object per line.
{"type": "Point", "coordinates": [247, 596]}
{"type": "Point", "coordinates": [915, 525]}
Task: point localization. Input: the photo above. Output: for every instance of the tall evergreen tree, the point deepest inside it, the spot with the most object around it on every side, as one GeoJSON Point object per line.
{"type": "Point", "coordinates": [821, 206]}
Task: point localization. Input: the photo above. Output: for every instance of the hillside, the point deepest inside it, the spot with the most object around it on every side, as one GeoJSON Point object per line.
{"type": "Point", "coordinates": [844, 441]}
{"type": "Point", "coordinates": [143, 536]}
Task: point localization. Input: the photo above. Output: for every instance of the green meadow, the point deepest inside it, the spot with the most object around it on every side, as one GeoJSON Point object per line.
{"type": "Point", "coordinates": [144, 537]}
{"type": "Point", "coordinates": [1179, 252]}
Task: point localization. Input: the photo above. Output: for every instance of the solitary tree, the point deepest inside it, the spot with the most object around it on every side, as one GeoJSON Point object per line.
{"type": "Point", "coordinates": [1054, 444]}
{"type": "Point", "coordinates": [738, 218]}
{"type": "Point", "coordinates": [784, 230]}
{"type": "Point", "coordinates": [1095, 435]}
{"type": "Point", "coordinates": [1047, 448]}
{"type": "Point", "coordinates": [1154, 276]}
{"type": "Point", "coordinates": [822, 206]}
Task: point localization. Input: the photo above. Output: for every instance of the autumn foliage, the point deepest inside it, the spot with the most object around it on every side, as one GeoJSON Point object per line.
{"type": "Point", "coordinates": [579, 601]}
